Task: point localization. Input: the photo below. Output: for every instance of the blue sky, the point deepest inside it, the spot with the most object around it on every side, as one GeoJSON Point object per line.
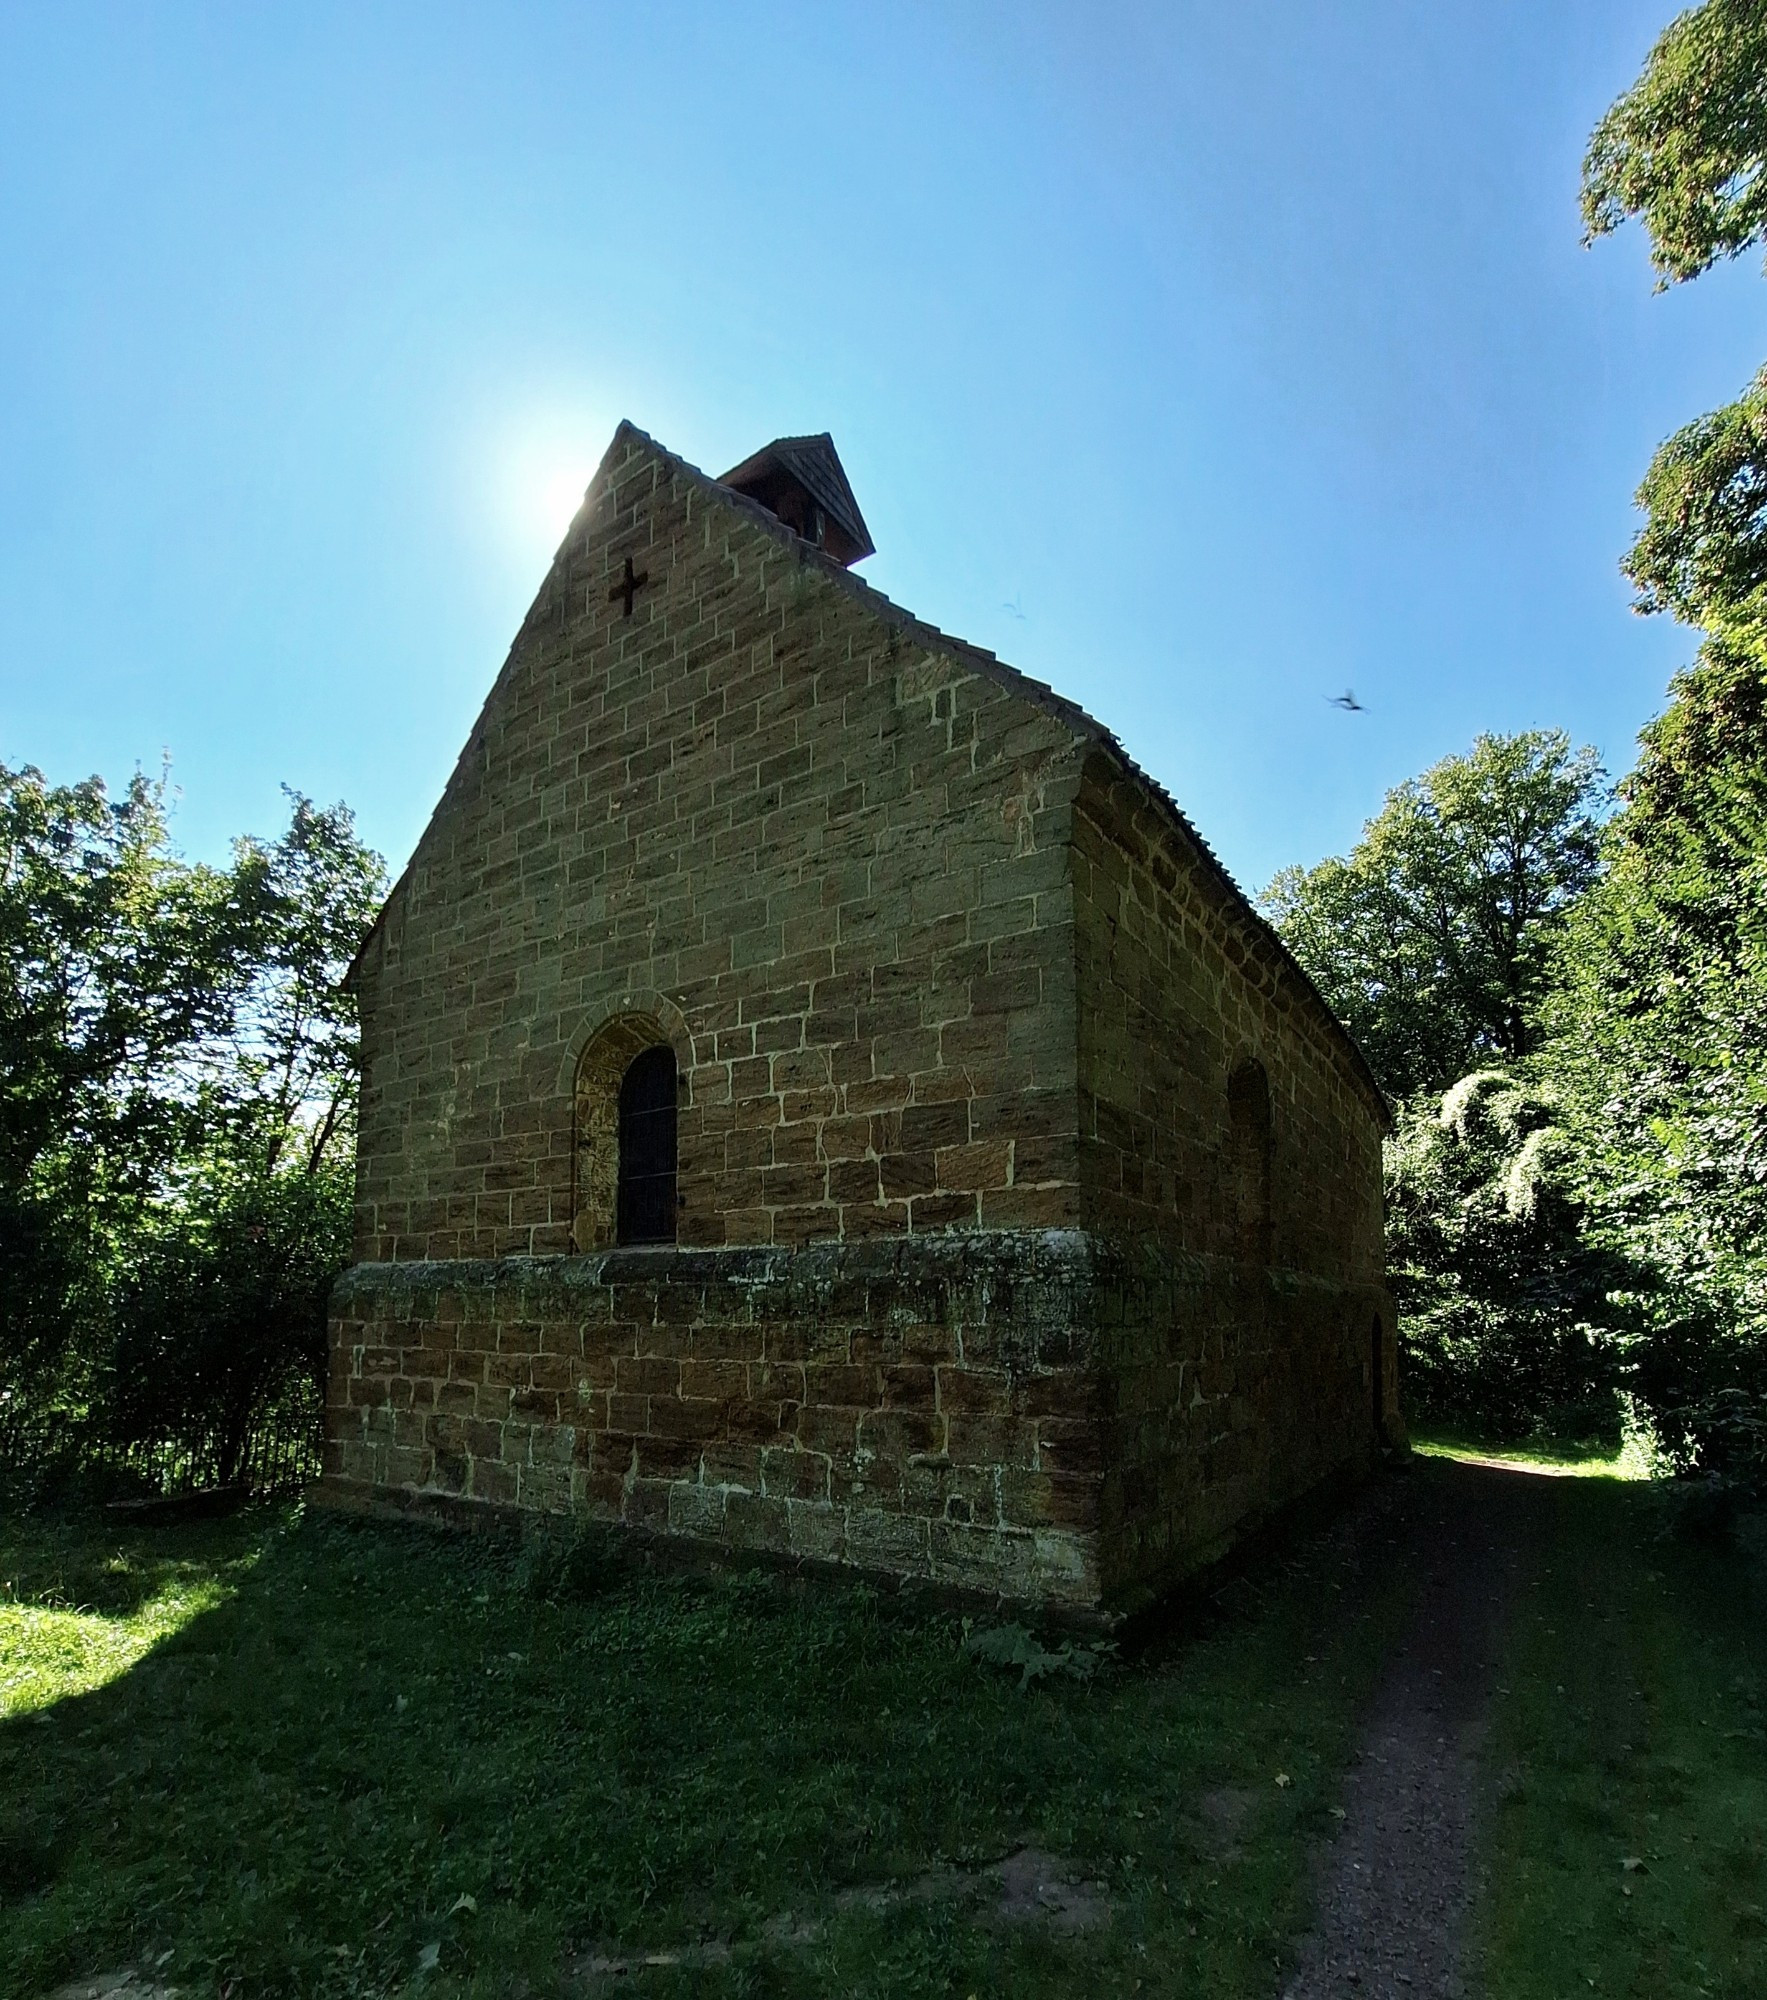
{"type": "Point", "coordinates": [1201, 360]}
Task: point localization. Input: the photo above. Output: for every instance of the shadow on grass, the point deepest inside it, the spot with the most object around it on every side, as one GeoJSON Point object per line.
{"type": "Point", "coordinates": [1628, 1759]}
{"type": "Point", "coordinates": [380, 1749]}
{"type": "Point", "coordinates": [396, 1757]}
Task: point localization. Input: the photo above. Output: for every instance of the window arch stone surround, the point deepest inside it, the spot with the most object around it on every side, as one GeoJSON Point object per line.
{"type": "Point", "coordinates": [600, 1056]}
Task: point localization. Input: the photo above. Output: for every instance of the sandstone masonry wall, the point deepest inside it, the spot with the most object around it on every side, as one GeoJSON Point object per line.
{"type": "Point", "coordinates": [965, 1288]}
{"type": "Point", "coordinates": [923, 1405]}
{"type": "Point", "coordinates": [829, 862]}
{"type": "Point", "coordinates": [1238, 1368]}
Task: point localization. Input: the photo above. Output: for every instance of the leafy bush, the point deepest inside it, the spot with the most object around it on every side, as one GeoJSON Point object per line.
{"type": "Point", "coordinates": [1012, 1646]}
{"type": "Point", "coordinates": [177, 1097]}
{"type": "Point", "coordinates": [1504, 1321]}
{"type": "Point", "coordinates": [218, 1314]}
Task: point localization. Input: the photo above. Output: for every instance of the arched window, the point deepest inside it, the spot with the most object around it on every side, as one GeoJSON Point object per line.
{"type": "Point", "coordinates": [1248, 1161]}
{"type": "Point", "coordinates": [647, 1148]}
{"type": "Point", "coordinates": [624, 1121]}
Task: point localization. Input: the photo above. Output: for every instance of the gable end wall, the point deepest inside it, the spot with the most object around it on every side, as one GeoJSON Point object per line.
{"type": "Point", "coordinates": [840, 858]}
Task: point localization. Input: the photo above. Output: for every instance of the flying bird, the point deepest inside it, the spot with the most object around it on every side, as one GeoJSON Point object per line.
{"type": "Point", "coordinates": [1347, 700]}
{"type": "Point", "coordinates": [1013, 607]}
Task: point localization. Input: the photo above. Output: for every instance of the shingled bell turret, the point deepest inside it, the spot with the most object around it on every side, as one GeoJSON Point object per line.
{"type": "Point", "coordinates": [800, 480]}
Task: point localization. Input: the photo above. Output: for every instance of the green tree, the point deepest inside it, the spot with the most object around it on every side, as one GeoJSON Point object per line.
{"type": "Point", "coordinates": [112, 970]}
{"type": "Point", "coordinates": [1684, 148]}
{"type": "Point", "coordinates": [301, 906]}
{"type": "Point", "coordinates": [217, 1310]}
{"type": "Point", "coordinates": [1666, 1012]}
{"type": "Point", "coordinates": [1685, 152]}
{"type": "Point", "coordinates": [1433, 939]}
{"type": "Point", "coordinates": [1702, 552]}
{"type": "Point", "coordinates": [1506, 1307]}
{"type": "Point", "coordinates": [1662, 1056]}
{"type": "Point", "coordinates": [177, 1094]}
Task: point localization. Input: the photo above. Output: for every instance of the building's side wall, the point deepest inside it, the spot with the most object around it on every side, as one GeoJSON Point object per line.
{"type": "Point", "coordinates": [922, 1405]}
{"type": "Point", "coordinates": [831, 864]}
{"type": "Point", "coordinates": [1238, 1376]}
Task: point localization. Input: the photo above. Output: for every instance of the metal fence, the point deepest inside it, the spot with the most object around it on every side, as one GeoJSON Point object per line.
{"type": "Point", "coordinates": [279, 1452]}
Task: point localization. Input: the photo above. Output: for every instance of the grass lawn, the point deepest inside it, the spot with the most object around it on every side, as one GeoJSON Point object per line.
{"type": "Point", "coordinates": [295, 1755]}
{"type": "Point", "coordinates": [1587, 1457]}
{"type": "Point", "coordinates": [288, 1754]}
{"type": "Point", "coordinates": [1627, 1844]}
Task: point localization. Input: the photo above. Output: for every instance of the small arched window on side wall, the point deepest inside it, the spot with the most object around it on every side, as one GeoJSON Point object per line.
{"type": "Point", "coordinates": [646, 1202]}
{"type": "Point", "coordinates": [1379, 1358]}
{"type": "Point", "coordinates": [1248, 1161]}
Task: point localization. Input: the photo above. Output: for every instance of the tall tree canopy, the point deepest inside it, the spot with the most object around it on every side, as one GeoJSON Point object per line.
{"type": "Point", "coordinates": [1685, 152]}
{"type": "Point", "coordinates": [111, 969]}
{"type": "Point", "coordinates": [1661, 1059]}
{"type": "Point", "coordinates": [1433, 938]}
{"type": "Point", "coordinates": [1684, 148]}
{"type": "Point", "coordinates": [1702, 552]}
{"type": "Point", "coordinates": [1658, 1057]}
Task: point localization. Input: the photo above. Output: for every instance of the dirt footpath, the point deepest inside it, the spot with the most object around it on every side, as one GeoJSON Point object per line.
{"type": "Point", "coordinates": [1396, 1883]}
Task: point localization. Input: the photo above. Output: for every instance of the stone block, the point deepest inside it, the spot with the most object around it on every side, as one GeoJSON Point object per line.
{"type": "Point", "coordinates": [493, 1481]}
{"type": "Point", "coordinates": [887, 1541]}
{"type": "Point", "coordinates": [980, 1440]}
{"type": "Point", "coordinates": [895, 1436]}
{"type": "Point", "coordinates": [736, 1465]}
{"type": "Point", "coordinates": [672, 1417]}
{"type": "Point", "coordinates": [794, 1475]}
{"type": "Point", "coordinates": [1068, 1446]}
{"type": "Point", "coordinates": [910, 1385]}
{"type": "Point", "coordinates": [975, 1391]}
{"type": "Point", "coordinates": [816, 1530]}
{"type": "Point", "coordinates": [999, 1561]}
{"type": "Point", "coordinates": [669, 1457]}
{"type": "Point", "coordinates": [696, 1511]}
{"type": "Point", "coordinates": [756, 1521]}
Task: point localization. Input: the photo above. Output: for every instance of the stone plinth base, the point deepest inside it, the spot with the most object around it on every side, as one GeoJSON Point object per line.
{"type": "Point", "coordinates": [1032, 1416]}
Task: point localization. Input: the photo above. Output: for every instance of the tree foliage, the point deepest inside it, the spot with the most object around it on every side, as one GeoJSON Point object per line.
{"type": "Point", "coordinates": [302, 904]}
{"type": "Point", "coordinates": [1664, 1019]}
{"type": "Point", "coordinates": [1506, 1304]}
{"type": "Point", "coordinates": [110, 972]}
{"type": "Point", "coordinates": [1702, 552]}
{"type": "Point", "coordinates": [1662, 1054]}
{"type": "Point", "coordinates": [1433, 938]}
{"type": "Point", "coordinates": [1684, 148]}
{"type": "Point", "coordinates": [177, 1076]}
{"type": "Point", "coordinates": [1438, 940]}
{"type": "Point", "coordinates": [217, 1310]}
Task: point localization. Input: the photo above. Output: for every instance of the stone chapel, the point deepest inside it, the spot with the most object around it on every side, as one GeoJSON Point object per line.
{"type": "Point", "coordinates": [821, 1098]}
